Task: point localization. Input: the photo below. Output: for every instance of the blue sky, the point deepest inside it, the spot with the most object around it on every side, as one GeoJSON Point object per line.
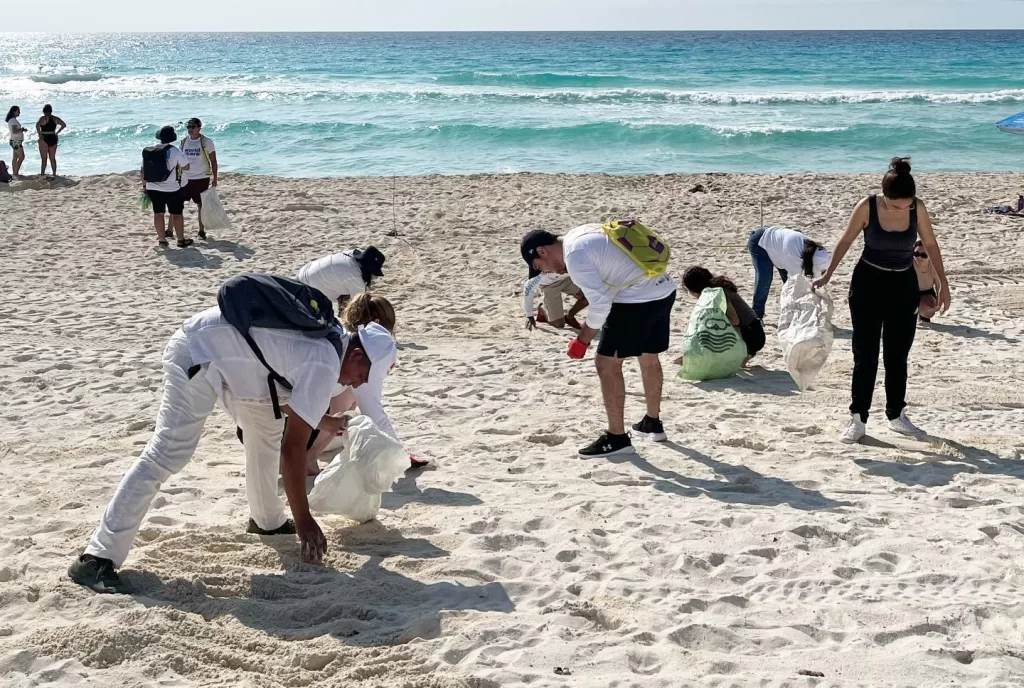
{"type": "Point", "coordinates": [460, 15]}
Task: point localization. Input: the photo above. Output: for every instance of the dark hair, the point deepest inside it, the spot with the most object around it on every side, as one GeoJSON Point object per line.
{"type": "Point", "coordinates": [807, 255]}
{"type": "Point", "coordinates": [10, 113]}
{"type": "Point", "coordinates": [47, 109]}
{"type": "Point", "coordinates": [697, 279]}
{"type": "Point", "coordinates": [167, 134]}
{"type": "Point", "coordinates": [898, 183]}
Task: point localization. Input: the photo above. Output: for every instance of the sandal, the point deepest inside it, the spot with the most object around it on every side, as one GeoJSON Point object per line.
{"type": "Point", "coordinates": [185, 243]}
{"type": "Point", "coordinates": [163, 243]}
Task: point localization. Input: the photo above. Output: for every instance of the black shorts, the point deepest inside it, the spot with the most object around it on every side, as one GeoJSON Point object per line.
{"type": "Point", "coordinates": [166, 202]}
{"type": "Point", "coordinates": [753, 337]}
{"type": "Point", "coordinates": [192, 191]}
{"type": "Point", "coordinates": [633, 329]}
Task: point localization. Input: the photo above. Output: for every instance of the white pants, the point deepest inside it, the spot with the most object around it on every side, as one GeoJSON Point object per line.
{"type": "Point", "coordinates": [183, 411]}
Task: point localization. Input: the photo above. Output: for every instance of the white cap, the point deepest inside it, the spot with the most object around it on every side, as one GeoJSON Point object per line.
{"type": "Point", "coordinates": [381, 349]}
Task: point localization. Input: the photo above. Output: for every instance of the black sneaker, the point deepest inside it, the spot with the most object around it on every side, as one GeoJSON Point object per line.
{"type": "Point", "coordinates": [288, 528]}
{"type": "Point", "coordinates": [608, 445]}
{"type": "Point", "coordinates": [651, 429]}
{"type": "Point", "coordinates": [98, 575]}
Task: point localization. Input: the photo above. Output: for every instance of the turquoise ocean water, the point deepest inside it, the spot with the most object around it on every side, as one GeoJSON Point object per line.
{"type": "Point", "coordinates": [381, 104]}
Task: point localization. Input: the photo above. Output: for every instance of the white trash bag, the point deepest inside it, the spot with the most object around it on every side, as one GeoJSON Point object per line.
{"type": "Point", "coordinates": [212, 212]}
{"type": "Point", "coordinates": [805, 329]}
{"type": "Point", "coordinates": [367, 465]}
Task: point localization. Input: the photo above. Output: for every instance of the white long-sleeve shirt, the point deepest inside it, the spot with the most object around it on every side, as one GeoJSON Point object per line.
{"type": "Point", "coordinates": [607, 275]}
{"type": "Point", "coordinates": [335, 275]}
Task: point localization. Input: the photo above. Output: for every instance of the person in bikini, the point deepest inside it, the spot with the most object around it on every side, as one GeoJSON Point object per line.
{"type": "Point", "coordinates": [926, 283]}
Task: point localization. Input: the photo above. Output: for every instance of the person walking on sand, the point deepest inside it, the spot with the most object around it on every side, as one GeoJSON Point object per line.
{"type": "Point", "coordinates": [343, 275]}
{"type": "Point", "coordinates": [17, 139]}
{"type": "Point", "coordinates": [208, 360]}
{"type": "Point", "coordinates": [49, 128]}
{"type": "Point", "coordinates": [884, 294]}
{"type": "Point", "coordinates": [160, 164]}
{"type": "Point", "coordinates": [553, 311]}
{"type": "Point", "coordinates": [785, 250]}
{"type": "Point", "coordinates": [696, 279]}
{"type": "Point", "coordinates": [201, 174]}
{"type": "Point", "coordinates": [629, 309]}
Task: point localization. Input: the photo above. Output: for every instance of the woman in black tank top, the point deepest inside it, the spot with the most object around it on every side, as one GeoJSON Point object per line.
{"type": "Point", "coordinates": [883, 296]}
{"type": "Point", "coordinates": [47, 128]}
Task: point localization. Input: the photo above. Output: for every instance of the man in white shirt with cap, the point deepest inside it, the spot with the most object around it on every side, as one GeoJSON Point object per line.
{"type": "Point", "coordinates": [208, 360]}
{"type": "Point", "coordinates": [630, 310]}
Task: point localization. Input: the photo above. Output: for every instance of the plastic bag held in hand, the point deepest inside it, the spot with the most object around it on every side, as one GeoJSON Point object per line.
{"type": "Point", "coordinates": [805, 329]}
{"type": "Point", "coordinates": [369, 462]}
{"type": "Point", "coordinates": [577, 349]}
{"type": "Point", "coordinates": [212, 212]}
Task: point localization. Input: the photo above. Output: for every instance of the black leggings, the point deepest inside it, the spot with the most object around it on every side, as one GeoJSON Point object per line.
{"type": "Point", "coordinates": [883, 307]}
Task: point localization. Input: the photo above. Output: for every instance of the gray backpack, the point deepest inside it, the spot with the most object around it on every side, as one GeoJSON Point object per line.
{"type": "Point", "coordinates": [255, 300]}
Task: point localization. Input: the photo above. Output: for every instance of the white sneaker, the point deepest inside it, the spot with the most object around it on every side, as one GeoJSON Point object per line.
{"type": "Point", "coordinates": [903, 426]}
{"type": "Point", "coordinates": [854, 431]}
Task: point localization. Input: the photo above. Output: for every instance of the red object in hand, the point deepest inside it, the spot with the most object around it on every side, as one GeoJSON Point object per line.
{"type": "Point", "coordinates": [577, 349]}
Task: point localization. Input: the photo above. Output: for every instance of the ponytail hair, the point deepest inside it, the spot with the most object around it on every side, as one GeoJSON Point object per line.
{"type": "Point", "coordinates": [365, 308]}
{"type": "Point", "coordinates": [807, 256]}
{"type": "Point", "coordinates": [898, 183]}
{"type": "Point", "coordinates": [697, 279]}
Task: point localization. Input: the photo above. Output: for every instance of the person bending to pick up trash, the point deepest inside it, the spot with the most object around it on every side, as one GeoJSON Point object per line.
{"type": "Point", "coordinates": [362, 310]}
{"type": "Point", "coordinates": [343, 275]}
{"type": "Point", "coordinates": [696, 279]}
{"type": "Point", "coordinates": [884, 294]}
{"type": "Point", "coordinates": [261, 324]}
{"type": "Point", "coordinates": [631, 299]}
{"type": "Point", "coordinates": [785, 250]}
{"type": "Point", "coordinates": [553, 311]}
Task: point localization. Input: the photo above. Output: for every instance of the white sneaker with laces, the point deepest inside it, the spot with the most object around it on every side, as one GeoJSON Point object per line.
{"type": "Point", "coordinates": [854, 431]}
{"type": "Point", "coordinates": [903, 426]}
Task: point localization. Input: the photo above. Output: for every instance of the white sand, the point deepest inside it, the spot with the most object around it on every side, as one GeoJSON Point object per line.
{"type": "Point", "coordinates": [753, 547]}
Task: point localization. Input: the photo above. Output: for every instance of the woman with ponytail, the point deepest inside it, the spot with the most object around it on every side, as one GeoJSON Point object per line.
{"type": "Point", "coordinates": [785, 250]}
{"type": "Point", "coordinates": [361, 310]}
{"type": "Point", "coordinates": [696, 279]}
{"type": "Point", "coordinates": [884, 295]}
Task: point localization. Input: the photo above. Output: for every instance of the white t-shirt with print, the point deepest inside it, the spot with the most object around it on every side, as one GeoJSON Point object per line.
{"type": "Point", "coordinates": [20, 136]}
{"type": "Point", "coordinates": [175, 159]}
{"type": "Point", "coordinates": [311, 365]}
{"type": "Point", "coordinates": [607, 275]}
{"type": "Point", "coordinates": [193, 150]}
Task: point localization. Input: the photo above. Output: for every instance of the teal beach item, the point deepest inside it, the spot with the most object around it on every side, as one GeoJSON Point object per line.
{"type": "Point", "coordinates": [712, 347]}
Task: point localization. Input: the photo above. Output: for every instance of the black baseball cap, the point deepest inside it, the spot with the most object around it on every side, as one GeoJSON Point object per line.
{"type": "Point", "coordinates": [531, 242]}
{"type": "Point", "coordinates": [370, 259]}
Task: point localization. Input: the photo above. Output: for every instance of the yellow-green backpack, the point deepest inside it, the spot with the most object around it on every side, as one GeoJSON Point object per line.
{"type": "Point", "coordinates": [644, 247]}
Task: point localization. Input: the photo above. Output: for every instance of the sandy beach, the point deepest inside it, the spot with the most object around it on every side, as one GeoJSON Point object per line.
{"type": "Point", "coordinates": [753, 549]}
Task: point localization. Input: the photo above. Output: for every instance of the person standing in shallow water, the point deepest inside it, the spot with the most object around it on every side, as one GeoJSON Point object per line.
{"type": "Point", "coordinates": [884, 294]}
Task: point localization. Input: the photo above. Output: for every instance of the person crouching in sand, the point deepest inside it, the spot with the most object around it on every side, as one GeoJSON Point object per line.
{"type": "Point", "coordinates": [696, 279]}
{"type": "Point", "coordinates": [206, 360]}
{"type": "Point", "coordinates": [553, 311]}
{"type": "Point", "coordinates": [927, 279]}
{"type": "Point", "coordinates": [631, 311]}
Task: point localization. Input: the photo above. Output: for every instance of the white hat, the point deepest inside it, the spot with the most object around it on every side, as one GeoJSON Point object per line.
{"type": "Point", "coordinates": [381, 349]}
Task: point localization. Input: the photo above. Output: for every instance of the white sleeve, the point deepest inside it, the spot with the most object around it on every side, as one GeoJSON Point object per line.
{"type": "Point", "coordinates": [528, 290]}
{"type": "Point", "coordinates": [210, 148]}
{"type": "Point", "coordinates": [369, 400]}
{"type": "Point", "coordinates": [178, 158]}
{"type": "Point", "coordinates": [584, 275]}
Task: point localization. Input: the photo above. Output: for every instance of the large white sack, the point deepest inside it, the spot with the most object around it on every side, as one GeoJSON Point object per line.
{"type": "Point", "coordinates": [805, 329]}
{"type": "Point", "coordinates": [212, 213]}
{"type": "Point", "coordinates": [369, 462]}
